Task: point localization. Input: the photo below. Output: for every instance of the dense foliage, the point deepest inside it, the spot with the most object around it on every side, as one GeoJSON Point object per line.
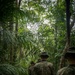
{"type": "Point", "coordinates": [28, 27]}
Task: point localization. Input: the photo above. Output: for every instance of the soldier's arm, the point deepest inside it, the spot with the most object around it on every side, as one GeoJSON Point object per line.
{"type": "Point", "coordinates": [52, 69]}
{"type": "Point", "coordinates": [35, 70]}
{"type": "Point", "coordinates": [29, 72]}
{"type": "Point", "coordinates": [52, 72]}
{"type": "Point", "coordinates": [60, 71]}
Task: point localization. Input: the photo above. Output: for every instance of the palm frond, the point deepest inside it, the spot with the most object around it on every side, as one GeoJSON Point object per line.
{"type": "Point", "coordinates": [6, 69]}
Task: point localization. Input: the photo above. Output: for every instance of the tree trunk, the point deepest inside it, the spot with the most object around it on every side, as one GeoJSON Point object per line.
{"type": "Point", "coordinates": [3, 44]}
{"type": "Point", "coordinates": [11, 45]}
{"type": "Point", "coordinates": [62, 60]}
{"type": "Point", "coordinates": [55, 51]}
{"type": "Point", "coordinates": [18, 3]}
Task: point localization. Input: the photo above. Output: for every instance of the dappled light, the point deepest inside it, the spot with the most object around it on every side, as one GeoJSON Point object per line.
{"type": "Point", "coordinates": [28, 27]}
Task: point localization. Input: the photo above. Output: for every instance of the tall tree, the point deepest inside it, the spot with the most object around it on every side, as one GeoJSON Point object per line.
{"type": "Point", "coordinates": [69, 28]}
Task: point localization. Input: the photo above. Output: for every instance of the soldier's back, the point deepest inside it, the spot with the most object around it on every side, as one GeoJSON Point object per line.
{"type": "Point", "coordinates": [69, 70]}
{"type": "Point", "coordinates": [43, 68]}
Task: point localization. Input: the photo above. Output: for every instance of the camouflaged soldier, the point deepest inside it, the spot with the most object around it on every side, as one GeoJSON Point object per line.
{"type": "Point", "coordinates": [43, 67]}
{"type": "Point", "coordinates": [70, 69]}
{"type": "Point", "coordinates": [31, 68]}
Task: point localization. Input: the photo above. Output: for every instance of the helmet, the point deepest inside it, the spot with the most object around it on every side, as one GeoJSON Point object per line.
{"type": "Point", "coordinates": [44, 54]}
{"type": "Point", "coordinates": [70, 52]}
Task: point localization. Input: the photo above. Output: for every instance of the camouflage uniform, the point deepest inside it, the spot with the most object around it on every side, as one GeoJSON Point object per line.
{"type": "Point", "coordinates": [70, 69]}
{"type": "Point", "coordinates": [43, 67]}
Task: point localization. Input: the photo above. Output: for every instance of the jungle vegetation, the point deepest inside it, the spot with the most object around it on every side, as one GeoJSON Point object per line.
{"type": "Point", "coordinates": [28, 27]}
